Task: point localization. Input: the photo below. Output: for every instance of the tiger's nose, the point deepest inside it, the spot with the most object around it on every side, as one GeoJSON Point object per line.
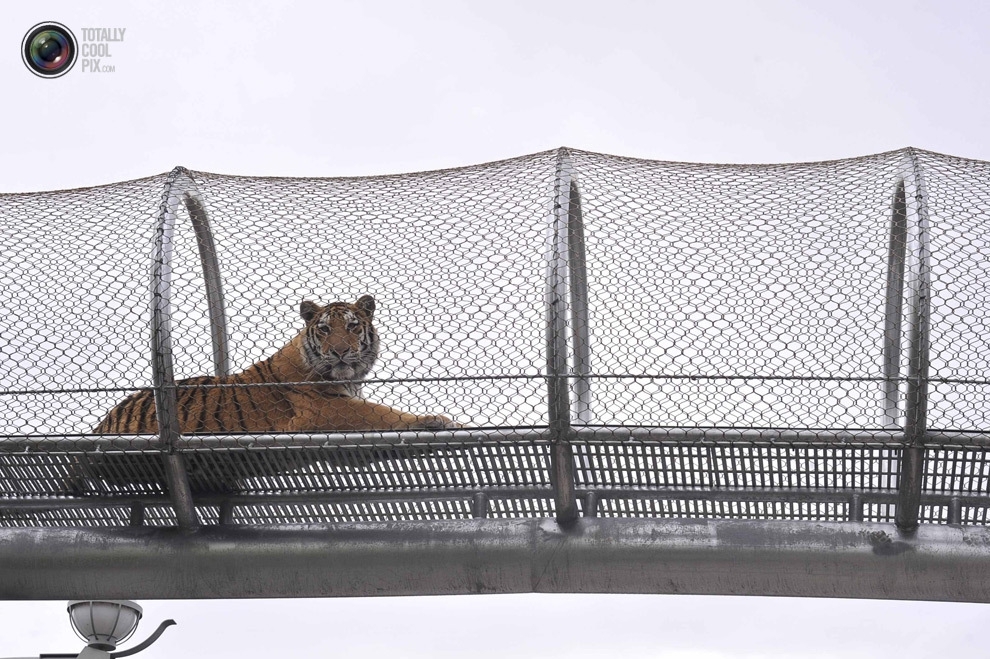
{"type": "Point", "coordinates": [339, 350]}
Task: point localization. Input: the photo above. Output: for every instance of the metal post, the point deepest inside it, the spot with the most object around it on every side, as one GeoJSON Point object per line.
{"type": "Point", "coordinates": [894, 308]}
{"type": "Point", "coordinates": [226, 512]}
{"type": "Point", "coordinates": [856, 508]}
{"type": "Point", "coordinates": [161, 347]}
{"type": "Point", "coordinates": [591, 501]}
{"type": "Point", "coordinates": [558, 399]}
{"type": "Point", "coordinates": [912, 466]}
{"type": "Point", "coordinates": [955, 511]}
{"type": "Point", "coordinates": [479, 505]}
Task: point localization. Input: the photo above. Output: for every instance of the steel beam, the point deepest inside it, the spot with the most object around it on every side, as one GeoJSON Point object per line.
{"type": "Point", "coordinates": [595, 555]}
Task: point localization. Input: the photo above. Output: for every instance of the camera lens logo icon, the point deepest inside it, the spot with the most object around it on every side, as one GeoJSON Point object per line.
{"type": "Point", "coordinates": [49, 50]}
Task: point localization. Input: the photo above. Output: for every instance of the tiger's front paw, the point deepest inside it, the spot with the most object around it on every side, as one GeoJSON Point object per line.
{"type": "Point", "coordinates": [436, 422]}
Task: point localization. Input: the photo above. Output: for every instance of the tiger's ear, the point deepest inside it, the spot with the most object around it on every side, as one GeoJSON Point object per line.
{"type": "Point", "coordinates": [308, 310]}
{"type": "Point", "coordinates": [367, 304]}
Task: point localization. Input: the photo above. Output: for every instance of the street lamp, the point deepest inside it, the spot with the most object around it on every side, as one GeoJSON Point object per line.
{"type": "Point", "coordinates": [104, 624]}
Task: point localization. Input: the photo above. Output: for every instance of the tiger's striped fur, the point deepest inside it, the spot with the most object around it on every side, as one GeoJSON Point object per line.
{"type": "Point", "coordinates": [312, 384]}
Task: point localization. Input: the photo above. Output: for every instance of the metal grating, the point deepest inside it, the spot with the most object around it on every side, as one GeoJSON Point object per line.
{"type": "Point", "coordinates": [615, 337]}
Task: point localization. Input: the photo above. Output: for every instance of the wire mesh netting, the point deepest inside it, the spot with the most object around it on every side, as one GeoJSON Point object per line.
{"type": "Point", "coordinates": [707, 341]}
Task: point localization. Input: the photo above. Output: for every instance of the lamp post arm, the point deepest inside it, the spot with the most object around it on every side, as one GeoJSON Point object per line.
{"type": "Point", "coordinates": [148, 641]}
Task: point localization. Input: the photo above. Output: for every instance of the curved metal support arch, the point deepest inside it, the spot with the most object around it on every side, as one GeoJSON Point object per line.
{"type": "Point", "coordinates": [180, 186]}
{"type": "Point", "coordinates": [211, 273]}
{"type": "Point", "coordinates": [566, 287]}
{"type": "Point", "coordinates": [911, 472]}
{"type": "Point", "coordinates": [894, 309]}
{"type": "Point", "coordinates": [578, 286]}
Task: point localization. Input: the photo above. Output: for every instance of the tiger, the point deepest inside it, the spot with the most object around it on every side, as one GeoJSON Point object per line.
{"type": "Point", "coordinates": [311, 384]}
{"type": "Point", "coordinates": [334, 351]}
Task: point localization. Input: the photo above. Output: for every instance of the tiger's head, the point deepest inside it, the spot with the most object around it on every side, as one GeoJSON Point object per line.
{"type": "Point", "coordinates": [339, 341]}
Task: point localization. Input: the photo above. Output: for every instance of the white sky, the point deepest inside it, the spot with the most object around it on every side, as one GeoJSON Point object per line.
{"type": "Point", "coordinates": [327, 89]}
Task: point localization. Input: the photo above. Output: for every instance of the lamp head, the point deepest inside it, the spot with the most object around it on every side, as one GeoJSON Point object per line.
{"type": "Point", "coordinates": [104, 624]}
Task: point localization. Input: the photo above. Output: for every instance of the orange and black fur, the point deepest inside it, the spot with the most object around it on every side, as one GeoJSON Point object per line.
{"type": "Point", "coordinates": [312, 384]}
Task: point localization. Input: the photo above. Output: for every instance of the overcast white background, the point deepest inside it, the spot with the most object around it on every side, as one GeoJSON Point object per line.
{"type": "Point", "coordinates": [353, 88]}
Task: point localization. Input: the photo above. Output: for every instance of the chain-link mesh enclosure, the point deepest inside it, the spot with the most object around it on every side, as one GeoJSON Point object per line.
{"type": "Point", "coordinates": [558, 334]}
